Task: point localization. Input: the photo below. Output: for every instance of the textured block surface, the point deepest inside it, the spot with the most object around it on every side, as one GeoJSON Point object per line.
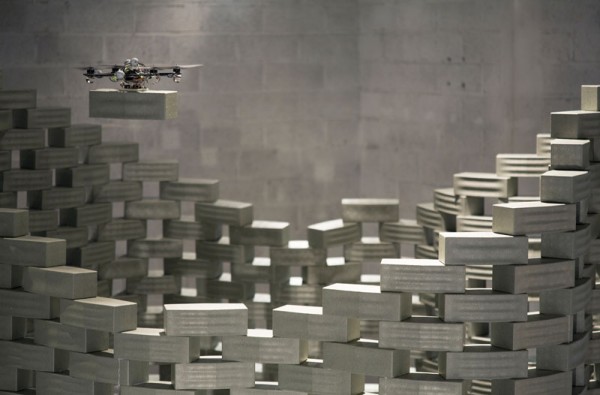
{"type": "Point", "coordinates": [112, 103]}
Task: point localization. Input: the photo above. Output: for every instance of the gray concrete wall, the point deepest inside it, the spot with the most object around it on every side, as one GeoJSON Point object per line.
{"type": "Point", "coordinates": [303, 102]}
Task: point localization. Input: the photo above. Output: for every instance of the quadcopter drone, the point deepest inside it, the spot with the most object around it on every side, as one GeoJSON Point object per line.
{"type": "Point", "coordinates": [134, 75]}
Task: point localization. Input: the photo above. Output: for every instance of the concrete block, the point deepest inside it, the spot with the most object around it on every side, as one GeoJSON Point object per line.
{"type": "Point", "coordinates": [74, 236]}
{"type": "Point", "coordinates": [188, 229]}
{"type": "Point", "coordinates": [212, 373]}
{"type": "Point", "coordinates": [92, 255]}
{"type": "Point", "coordinates": [77, 135]}
{"type": "Point", "coordinates": [521, 165]}
{"type": "Point", "coordinates": [337, 270]}
{"type": "Point", "coordinates": [334, 232]}
{"type": "Point", "coordinates": [190, 190]}
{"type": "Point", "coordinates": [484, 185]}
{"type": "Point", "coordinates": [538, 275]}
{"type": "Point", "coordinates": [86, 215]}
{"type": "Point", "coordinates": [482, 248]}
{"type": "Point", "coordinates": [309, 322]}
{"type": "Point", "coordinates": [483, 362]}
{"type": "Point", "coordinates": [17, 99]}
{"type": "Point", "coordinates": [403, 231]}
{"type": "Point", "coordinates": [562, 186]}
{"type": "Point", "coordinates": [537, 382]}
{"type": "Point", "coordinates": [14, 379]}
{"type": "Point", "coordinates": [297, 253]}
{"type": "Point", "coordinates": [225, 212]}
{"type": "Point", "coordinates": [269, 233]}
{"type": "Point", "coordinates": [151, 345]}
{"type": "Point", "coordinates": [533, 217]}
{"type": "Point", "coordinates": [365, 357]}
{"type": "Point", "coordinates": [157, 170]}
{"type": "Point", "coordinates": [25, 180]}
{"type": "Point", "coordinates": [422, 383]}
{"type": "Point", "coordinates": [421, 275]}
{"type": "Point", "coordinates": [590, 95]}
{"type": "Point", "coordinates": [103, 367]}
{"type": "Point", "coordinates": [102, 314]}
{"type": "Point", "coordinates": [22, 139]}
{"type": "Point", "coordinates": [32, 251]}
{"type": "Point", "coordinates": [11, 276]}
{"type": "Point", "coordinates": [473, 223]}
{"type": "Point", "coordinates": [305, 294]}
{"type": "Point", "coordinates": [311, 377]}
{"type": "Point", "coordinates": [153, 285]}
{"type": "Point", "coordinates": [56, 198]}
{"type": "Point", "coordinates": [366, 302]}
{"type": "Point", "coordinates": [189, 266]}
{"type": "Point", "coordinates": [567, 245]}
{"type": "Point", "coordinates": [113, 152]}
{"type": "Point", "coordinates": [538, 331]}
{"type": "Point", "coordinates": [266, 388]}
{"type": "Point", "coordinates": [42, 117]}
{"type": "Point", "coordinates": [8, 199]}
{"type": "Point", "coordinates": [422, 333]}
{"type": "Point", "coordinates": [567, 301]}
{"type": "Point", "coordinates": [122, 229]}
{"type": "Point", "coordinates": [370, 210]}
{"type": "Point", "coordinates": [18, 303]}
{"type": "Point", "coordinates": [119, 104]}
{"type": "Point", "coordinates": [152, 209]}
{"type": "Point", "coordinates": [60, 383]}
{"type": "Point", "coordinates": [23, 354]}
{"type": "Point", "coordinates": [429, 217]}
{"type": "Point", "coordinates": [13, 222]}
{"type": "Point", "coordinates": [425, 252]}
{"type": "Point", "coordinates": [564, 357]}
{"type": "Point", "coordinates": [123, 267]}
{"type": "Point", "coordinates": [569, 154]}
{"type": "Point", "coordinates": [445, 201]}
{"type": "Point", "coordinates": [574, 124]}
{"type": "Point", "coordinates": [206, 319]}
{"type": "Point", "coordinates": [49, 158]}
{"type": "Point", "coordinates": [6, 119]}
{"type": "Point", "coordinates": [60, 281]}
{"type": "Point", "coordinates": [233, 291]}
{"type": "Point", "coordinates": [260, 271]}
{"type": "Point", "coordinates": [5, 160]}
{"type": "Point", "coordinates": [43, 220]}
{"type": "Point", "coordinates": [223, 251]}
{"type": "Point", "coordinates": [370, 249]}
{"type": "Point", "coordinates": [117, 191]}
{"type": "Point", "coordinates": [482, 305]}
{"type": "Point", "coordinates": [260, 346]}
{"type": "Point", "coordinates": [12, 328]}
{"type": "Point", "coordinates": [83, 176]}
{"type": "Point", "coordinates": [542, 144]}
{"type": "Point", "coordinates": [65, 337]}
{"type": "Point", "coordinates": [155, 248]}
{"type": "Point", "coordinates": [158, 388]}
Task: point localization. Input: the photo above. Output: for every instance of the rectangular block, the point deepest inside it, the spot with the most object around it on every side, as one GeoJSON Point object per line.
{"type": "Point", "coordinates": [188, 229]}
{"type": "Point", "coordinates": [537, 382]}
{"type": "Point", "coordinates": [153, 285]}
{"type": "Point", "coordinates": [370, 249]}
{"type": "Point", "coordinates": [23, 354]}
{"type": "Point", "coordinates": [564, 357]}
{"type": "Point", "coordinates": [117, 191]}
{"type": "Point", "coordinates": [421, 275]}
{"type": "Point", "coordinates": [223, 251]}
{"type": "Point", "coordinates": [541, 274]}
{"type": "Point", "coordinates": [590, 98]}
{"type": "Point", "coordinates": [156, 170]}
{"type": "Point", "coordinates": [365, 357]}
{"type": "Point", "coordinates": [25, 180]}
{"type": "Point", "coordinates": [42, 117]}
{"type": "Point", "coordinates": [567, 301]}
{"type": "Point", "coordinates": [152, 209]}
{"type": "Point", "coordinates": [124, 267]}
{"type": "Point", "coordinates": [521, 165]}
{"type": "Point", "coordinates": [77, 135]}
{"type": "Point", "coordinates": [403, 231]}
{"type": "Point", "coordinates": [49, 158]}
{"type": "Point", "coordinates": [538, 331]}
{"type": "Point", "coordinates": [482, 305]}
{"type": "Point", "coordinates": [113, 152]}
{"type": "Point", "coordinates": [8, 199]}
{"type": "Point", "coordinates": [260, 346]}
{"type": "Point", "coordinates": [567, 245]}
{"type": "Point", "coordinates": [225, 212]}
{"type": "Point", "coordinates": [484, 185]}
{"type": "Point", "coordinates": [297, 253]}
{"type": "Point", "coordinates": [190, 190]}
{"type": "Point", "coordinates": [533, 217]}
{"type": "Point", "coordinates": [103, 314]}
{"type": "Point", "coordinates": [206, 319]}
{"type": "Point", "coordinates": [147, 104]}
{"type": "Point", "coordinates": [337, 270]}
{"type": "Point", "coordinates": [366, 302]}
{"type": "Point", "coordinates": [192, 267]}
{"type": "Point", "coordinates": [213, 373]}
{"type": "Point", "coordinates": [56, 198]}
{"type": "Point", "coordinates": [158, 388]}
{"type": "Point", "coordinates": [309, 322]}
{"type": "Point", "coordinates": [13, 222]}
{"type": "Point", "coordinates": [33, 251]}
{"type": "Point", "coordinates": [122, 229]}
{"type": "Point", "coordinates": [17, 303]}
{"type": "Point", "coordinates": [570, 154]}
{"type": "Point", "coordinates": [152, 345]}
{"type": "Point", "coordinates": [482, 248]}
{"type": "Point", "coordinates": [446, 202]}
{"type": "Point", "coordinates": [311, 377]}
{"type": "Point", "coordinates": [12, 328]}
{"type": "Point", "coordinates": [43, 220]}
{"type": "Point", "coordinates": [83, 176]}
{"type": "Point", "coordinates": [429, 217]}
{"type": "Point", "coordinates": [155, 248]}
{"type": "Point", "coordinates": [103, 367]}
{"type": "Point", "coordinates": [422, 333]}
{"type": "Point", "coordinates": [5, 159]}
{"type": "Point", "coordinates": [564, 186]}
{"type": "Point", "coordinates": [6, 119]}
{"type": "Point", "coordinates": [422, 383]}
{"type": "Point", "coordinates": [574, 124]}
{"type": "Point", "coordinates": [267, 233]}
{"type": "Point", "coordinates": [17, 99]}
{"type": "Point", "coordinates": [11, 276]}
{"type": "Point", "coordinates": [74, 236]}
{"type": "Point", "coordinates": [370, 210]}
{"type": "Point", "coordinates": [483, 362]}
{"type": "Point", "coordinates": [22, 139]}
{"type": "Point", "coordinates": [14, 379]}
{"type": "Point", "coordinates": [60, 383]}
{"type": "Point", "coordinates": [61, 282]}
{"type": "Point", "coordinates": [65, 337]}
{"type": "Point", "coordinates": [334, 232]}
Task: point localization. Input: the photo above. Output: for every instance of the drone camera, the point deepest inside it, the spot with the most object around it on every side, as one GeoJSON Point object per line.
{"type": "Point", "coordinates": [177, 78]}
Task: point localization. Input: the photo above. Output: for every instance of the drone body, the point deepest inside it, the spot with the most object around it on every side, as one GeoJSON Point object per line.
{"type": "Point", "coordinates": [133, 75]}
